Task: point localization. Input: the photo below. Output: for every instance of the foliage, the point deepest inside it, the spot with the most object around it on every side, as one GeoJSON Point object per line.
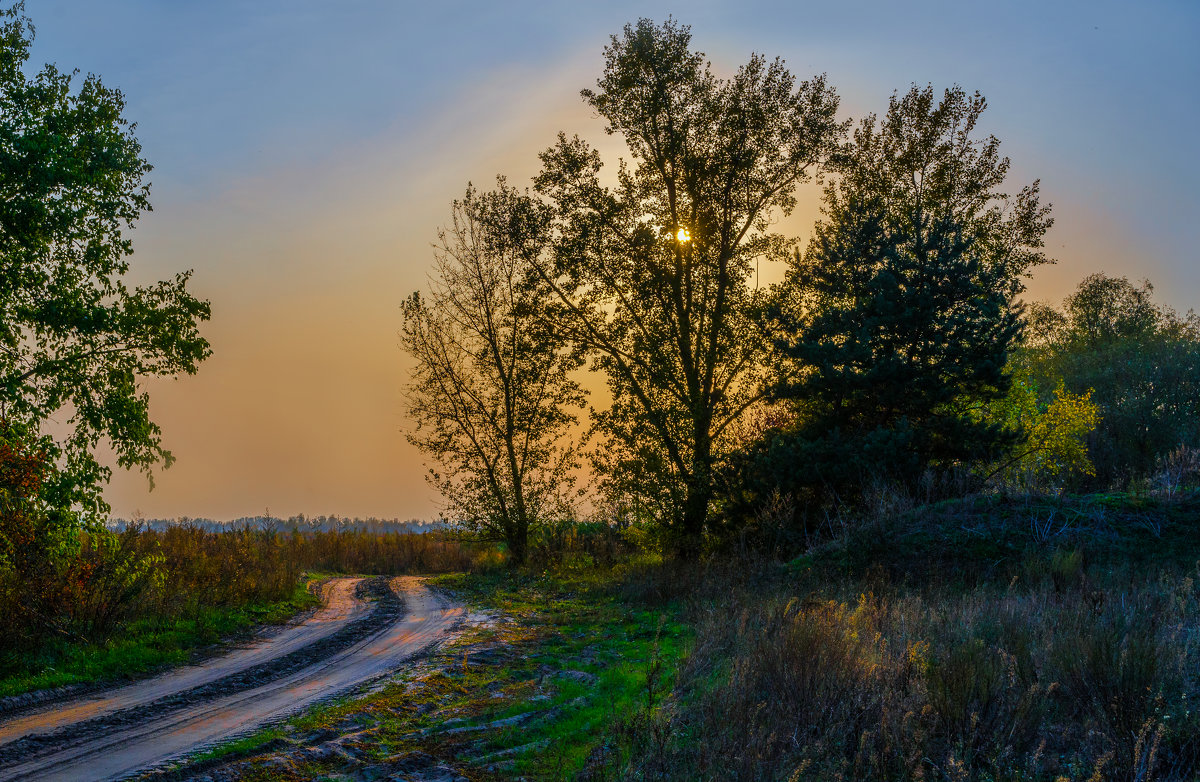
{"type": "Point", "coordinates": [35, 545]}
{"type": "Point", "coordinates": [655, 274]}
{"type": "Point", "coordinates": [1056, 431]}
{"type": "Point", "coordinates": [1140, 359]}
{"type": "Point", "coordinates": [491, 391]}
{"type": "Point", "coordinates": [55, 582]}
{"type": "Point", "coordinates": [73, 335]}
{"type": "Point", "coordinates": [897, 320]}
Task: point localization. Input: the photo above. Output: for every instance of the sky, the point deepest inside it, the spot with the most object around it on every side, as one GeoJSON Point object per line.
{"type": "Point", "coordinates": [305, 154]}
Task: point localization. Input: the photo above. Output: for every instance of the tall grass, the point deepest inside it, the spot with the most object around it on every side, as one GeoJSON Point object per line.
{"type": "Point", "coordinates": [156, 577]}
{"type": "Point", "coordinates": [1094, 683]}
{"type": "Point", "coordinates": [254, 565]}
{"type": "Point", "coordinates": [961, 642]}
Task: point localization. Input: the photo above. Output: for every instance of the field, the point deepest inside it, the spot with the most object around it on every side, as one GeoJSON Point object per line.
{"type": "Point", "coordinates": [187, 589]}
{"type": "Point", "coordinates": [986, 638]}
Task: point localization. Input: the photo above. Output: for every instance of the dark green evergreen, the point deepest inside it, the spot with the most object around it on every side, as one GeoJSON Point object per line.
{"type": "Point", "coordinates": [897, 321]}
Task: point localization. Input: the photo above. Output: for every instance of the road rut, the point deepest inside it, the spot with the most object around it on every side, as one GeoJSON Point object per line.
{"type": "Point", "coordinates": [61, 746]}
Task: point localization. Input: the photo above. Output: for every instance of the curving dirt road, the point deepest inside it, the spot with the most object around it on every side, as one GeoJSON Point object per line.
{"type": "Point", "coordinates": [114, 734]}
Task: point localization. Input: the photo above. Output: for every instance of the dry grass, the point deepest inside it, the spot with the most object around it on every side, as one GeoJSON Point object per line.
{"type": "Point", "coordinates": [251, 565]}
{"type": "Point", "coordinates": [987, 685]}
{"type": "Point", "coordinates": [150, 580]}
{"type": "Point", "coordinates": [967, 645]}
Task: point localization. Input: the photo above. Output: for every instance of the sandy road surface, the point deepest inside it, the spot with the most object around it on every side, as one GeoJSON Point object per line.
{"type": "Point", "coordinates": [340, 606]}
{"type": "Point", "coordinates": [125, 749]}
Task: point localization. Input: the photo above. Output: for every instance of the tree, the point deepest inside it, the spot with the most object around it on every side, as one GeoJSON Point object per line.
{"type": "Point", "coordinates": [898, 319]}
{"type": "Point", "coordinates": [75, 338]}
{"type": "Point", "coordinates": [654, 273]}
{"type": "Point", "coordinates": [491, 391]}
{"type": "Point", "coordinates": [1140, 360]}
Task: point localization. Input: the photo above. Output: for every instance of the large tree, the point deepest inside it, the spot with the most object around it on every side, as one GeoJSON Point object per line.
{"type": "Point", "coordinates": [491, 391]}
{"type": "Point", "coordinates": [76, 339]}
{"type": "Point", "coordinates": [656, 271]}
{"type": "Point", "coordinates": [898, 319]}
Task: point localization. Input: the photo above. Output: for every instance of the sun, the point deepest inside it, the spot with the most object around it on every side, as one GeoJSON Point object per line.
{"type": "Point", "coordinates": [682, 235]}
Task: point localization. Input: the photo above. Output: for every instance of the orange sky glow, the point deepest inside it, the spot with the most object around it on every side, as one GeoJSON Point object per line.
{"type": "Point", "coordinates": [306, 257]}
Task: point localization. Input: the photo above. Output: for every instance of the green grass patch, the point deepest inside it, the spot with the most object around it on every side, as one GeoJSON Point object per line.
{"type": "Point", "coordinates": [583, 658]}
{"type": "Point", "coordinates": [146, 645]}
{"type": "Point", "coordinates": [247, 745]}
{"type": "Point", "coordinates": [531, 695]}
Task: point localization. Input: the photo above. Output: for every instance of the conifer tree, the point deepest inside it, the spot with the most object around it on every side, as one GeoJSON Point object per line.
{"type": "Point", "coordinates": [898, 319]}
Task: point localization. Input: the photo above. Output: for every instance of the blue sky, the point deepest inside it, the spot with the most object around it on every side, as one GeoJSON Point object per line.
{"type": "Point", "coordinates": [306, 152]}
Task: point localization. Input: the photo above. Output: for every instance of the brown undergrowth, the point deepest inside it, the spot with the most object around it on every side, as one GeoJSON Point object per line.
{"type": "Point", "coordinates": [131, 601]}
{"type": "Point", "coordinates": [1067, 657]}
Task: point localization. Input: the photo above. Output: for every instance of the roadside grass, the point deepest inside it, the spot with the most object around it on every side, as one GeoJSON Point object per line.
{"type": "Point", "coordinates": [148, 644]}
{"type": "Point", "coordinates": [181, 586]}
{"type": "Point", "coordinates": [980, 640]}
{"type": "Point", "coordinates": [528, 690]}
{"type": "Point", "coordinates": [594, 658]}
{"type": "Point", "coordinates": [255, 742]}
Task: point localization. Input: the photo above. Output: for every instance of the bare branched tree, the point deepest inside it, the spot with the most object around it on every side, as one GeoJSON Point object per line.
{"type": "Point", "coordinates": [491, 393]}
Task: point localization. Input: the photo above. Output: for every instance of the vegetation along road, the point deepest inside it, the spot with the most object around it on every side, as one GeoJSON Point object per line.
{"type": "Point", "coordinates": [114, 733]}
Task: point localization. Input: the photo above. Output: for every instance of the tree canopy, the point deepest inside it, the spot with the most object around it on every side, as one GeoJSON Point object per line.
{"type": "Point", "coordinates": [898, 319]}
{"type": "Point", "coordinates": [75, 338]}
{"type": "Point", "coordinates": [491, 391]}
{"type": "Point", "coordinates": [655, 272]}
{"type": "Point", "coordinates": [1139, 359]}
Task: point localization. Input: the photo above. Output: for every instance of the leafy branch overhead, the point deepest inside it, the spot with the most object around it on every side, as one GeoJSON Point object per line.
{"type": "Point", "coordinates": [75, 337]}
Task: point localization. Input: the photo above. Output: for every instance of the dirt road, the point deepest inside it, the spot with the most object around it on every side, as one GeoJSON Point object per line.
{"type": "Point", "coordinates": [112, 735]}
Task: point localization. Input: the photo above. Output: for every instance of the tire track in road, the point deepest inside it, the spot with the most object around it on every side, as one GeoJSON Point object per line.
{"type": "Point", "coordinates": [151, 739]}
{"type": "Point", "coordinates": [340, 606]}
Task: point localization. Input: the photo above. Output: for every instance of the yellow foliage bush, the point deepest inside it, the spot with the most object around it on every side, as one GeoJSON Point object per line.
{"type": "Point", "coordinates": [1056, 433]}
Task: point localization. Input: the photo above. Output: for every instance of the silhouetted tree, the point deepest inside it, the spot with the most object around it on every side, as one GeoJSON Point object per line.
{"type": "Point", "coordinates": [491, 391]}
{"type": "Point", "coordinates": [898, 319]}
{"type": "Point", "coordinates": [655, 272]}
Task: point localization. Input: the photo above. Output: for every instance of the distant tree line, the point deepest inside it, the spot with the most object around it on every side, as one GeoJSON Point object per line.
{"type": "Point", "coordinates": [896, 352]}
{"type": "Point", "coordinates": [297, 523]}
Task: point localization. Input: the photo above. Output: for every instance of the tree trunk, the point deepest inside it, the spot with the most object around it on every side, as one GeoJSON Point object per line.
{"type": "Point", "coordinates": [695, 513]}
{"type": "Point", "coordinates": [518, 546]}
{"type": "Point", "coordinates": [695, 505]}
